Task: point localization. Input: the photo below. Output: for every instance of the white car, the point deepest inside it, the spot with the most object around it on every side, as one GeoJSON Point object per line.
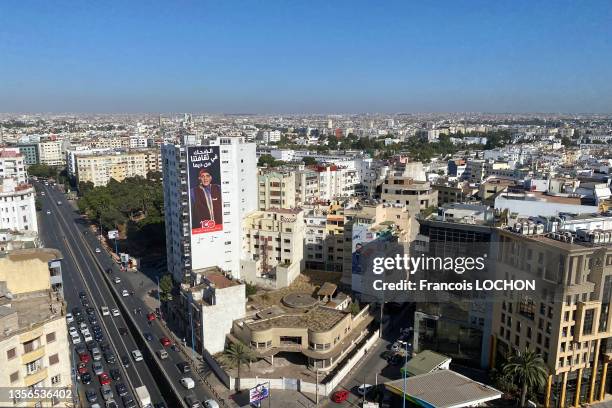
{"type": "Point", "coordinates": [98, 250]}
{"type": "Point", "coordinates": [87, 336]}
{"type": "Point", "coordinates": [104, 311]}
{"type": "Point", "coordinates": [69, 318]}
{"type": "Point", "coordinates": [76, 339]}
{"type": "Point", "coordinates": [73, 331]}
{"type": "Point", "coordinates": [117, 279]}
{"type": "Point", "coordinates": [364, 389]}
{"type": "Point", "coordinates": [125, 293]}
{"type": "Point", "coordinates": [48, 212]}
{"type": "Point", "coordinates": [187, 382]}
{"type": "Point", "coordinates": [115, 312]}
{"type": "Point", "coordinates": [137, 355]}
{"type": "Point", "coordinates": [83, 327]}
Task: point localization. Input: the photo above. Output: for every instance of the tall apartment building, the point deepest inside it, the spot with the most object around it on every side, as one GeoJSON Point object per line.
{"type": "Point", "coordinates": [273, 247]}
{"type": "Point", "coordinates": [17, 198]}
{"type": "Point", "coordinates": [276, 189]}
{"type": "Point", "coordinates": [50, 153]}
{"type": "Point", "coordinates": [221, 175]}
{"type": "Point", "coordinates": [415, 195]}
{"type": "Point", "coordinates": [569, 321]}
{"type": "Point", "coordinates": [30, 153]}
{"type": "Point", "coordinates": [100, 169]}
{"type": "Point", "coordinates": [34, 349]}
{"type": "Point", "coordinates": [271, 136]}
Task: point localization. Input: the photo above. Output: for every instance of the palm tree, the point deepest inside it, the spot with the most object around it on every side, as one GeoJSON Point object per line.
{"type": "Point", "coordinates": [236, 355]}
{"type": "Point", "coordinates": [528, 369]}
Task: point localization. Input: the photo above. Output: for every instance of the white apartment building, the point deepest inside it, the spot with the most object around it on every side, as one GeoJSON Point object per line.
{"type": "Point", "coordinates": [276, 189]}
{"type": "Point", "coordinates": [50, 153]}
{"type": "Point", "coordinates": [271, 136]}
{"type": "Point", "coordinates": [191, 248]}
{"type": "Point", "coordinates": [138, 142]}
{"type": "Point", "coordinates": [17, 198]}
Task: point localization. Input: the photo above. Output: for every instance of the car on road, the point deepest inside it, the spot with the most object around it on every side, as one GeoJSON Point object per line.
{"type": "Point", "coordinates": [93, 320]}
{"type": "Point", "coordinates": [123, 331]}
{"type": "Point", "coordinates": [87, 336]}
{"type": "Point", "coordinates": [109, 358]}
{"type": "Point", "coordinates": [211, 404]}
{"type": "Point", "coordinates": [82, 295]}
{"type": "Point", "coordinates": [104, 311]}
{"type": "Point", "coordinates": [82, 368]}
{"type": "Point", "coordinates": [163, 354]}
{"type": "Point", "coordinates": [98, 250]}
{"type": "Point", "coordinates": [73, 331]}
{"type": "Point", "coordinates": [187, 382]}
{"type": "Point", "coordinates": [83, 327]}
{"type": "Point", "coordinates": [95, 354]}
{"type": "Point", "coordinates": [115, 374]}
{"type": "Point", "coordinates": [192, 401]}
{"type": "Point", "coordinates": [99, 337]}
{"type": "Point", "coordinates": [364, 389]}
{"type": "Point", "coordinates": [184, 367]}
{"type": "Point", "coordinates": [86, 378]}
{"type": "Point", "coordinates": [340, 396]}
{"type": "Point", "coordinates": [84, 358]}
{"type": "Point", "coordinates": [151, 316]}
{"type": "Point", "coordinates": [91, 395]}
{"type": "Point", "coordinates": [115, 312]}
{"type": "Point", "coordinates": [107, 392]}
{"type": "Point", "coordinates": [76, 311]}
{"type": "Point", "coordinates": [85, 302]}
{"type": "Point", "coordinates": [104, 379]}
{"type": "Point", "coordinates": [121, 389]}
{"type": "Point", "coordinates": [125, 293]}
{"type": "Point", "coordinates": [399, 345]}
{"type": "Point", "coordinates": [69, 318]}
{"type": "Point", "coordinates": [148, 336]}
{"type": "Point", "coordinates": [90, 311]}
{"type": "Point", "coordinates": [111, 404]}
{"type": "Point", "coordinates": [125, 360]}
{"type": "Point", "coordinates": [97, 368]}
{"type": "Point", "coordinates": [128, 401]}
{"type": "Point", "coordinates": [117, 279]}
{"type": "Point", "coordinates": [137, 355]}
{"type": "Point", "coordinates": [48, 212]}
{"type": "Point", "coordinates": [165, 341]}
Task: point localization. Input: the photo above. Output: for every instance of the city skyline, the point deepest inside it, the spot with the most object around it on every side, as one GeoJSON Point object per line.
{"type": "Point", "coordinates": [275, 57]}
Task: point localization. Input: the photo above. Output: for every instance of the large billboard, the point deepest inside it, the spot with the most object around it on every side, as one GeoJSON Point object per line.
{"type": "Point", "coordinates": [205, 199]}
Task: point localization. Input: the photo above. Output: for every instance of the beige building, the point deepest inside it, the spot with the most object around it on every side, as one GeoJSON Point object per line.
{"type": "Point", "coordinates": [119, 166]}
{"type": "Point", "coordinates": [317, 327]}
{"type": "Point", "coordinates": [50, 153]}
{"type": "Point", "coordinates": [272, 247]}
{"type": "Point", "coordinates": [415, 195]}
{"type": "Point", "coordinates": [276, 189]}
{"type": "Point", "coordinates": [569, 321]}
{"type": "Point", "coordinates": [34, 349]}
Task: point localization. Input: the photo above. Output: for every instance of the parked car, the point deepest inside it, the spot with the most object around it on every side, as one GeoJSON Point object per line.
{"type": "Point", "coordinates": [86, 378]}
{"type": "Point", "coordinates": [121, 389]}
{"type": "Point", "coordinates": [104, 379]}
{"type": "Point", "coordinates": [97, 368]}
{"type": "Point", "coordinates": [364, 389]}
{"type": "Point", "coordinates": [184, 367]}
{"type": "Point", "coordinates": [187, 382]}
{"type": "Point", "coordinates": [69, 318]}
{"type": "Point", "coordinates": [211, 404]}
{"type": "Point", "coordinates": [115, 374]}
{"type": "Point", "coordinates": [151, 317]}
{"type": "Point", "coordinates": [91, 395]}
{"type": "Point", "coordinates": [340, 396]}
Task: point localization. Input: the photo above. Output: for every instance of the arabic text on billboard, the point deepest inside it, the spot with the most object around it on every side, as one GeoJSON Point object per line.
{"type": "Point", "coordinates": [204, 174]}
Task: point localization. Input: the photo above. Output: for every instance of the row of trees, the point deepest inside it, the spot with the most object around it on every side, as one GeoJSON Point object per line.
{"type": "Point", "coordinates": [134, 206]}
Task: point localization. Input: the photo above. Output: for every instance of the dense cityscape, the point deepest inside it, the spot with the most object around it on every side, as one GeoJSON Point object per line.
{"type": "Point", "coordinates": [188, 260]}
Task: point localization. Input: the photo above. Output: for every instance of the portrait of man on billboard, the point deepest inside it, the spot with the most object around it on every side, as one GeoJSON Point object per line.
{"type": "Point", "coordinates": [205, 198]}
{"type": "Point", "coordinates": [206, 203]}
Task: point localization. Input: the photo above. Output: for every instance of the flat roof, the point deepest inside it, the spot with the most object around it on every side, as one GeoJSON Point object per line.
{"type": "Point", "coordinates": [443, 389]}
{"type": "Point", "coordinates": [425, 362]}
{"type": "Point", "coordinates": [317, 319]}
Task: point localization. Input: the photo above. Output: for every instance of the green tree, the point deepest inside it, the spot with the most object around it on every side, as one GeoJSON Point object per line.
{"type": "Point", "coordinates": [268, 160]}
{"type": "Point", "coordinates": [250, 289]}
{"type": "Point", "coordinates": [165, 287]}
{"type": "Point", "coordinates": [332, 142]}
{"type": "Point", "coordinates": [309, 161]}
{"type": "Point", "coordinates": [527, 369]}
{"type": "Point", "coordinates": [236, 355]}
{"type": "Point", "coordinates": [355, 308]}
{"type": "Point", "coordinates": [42, 170]}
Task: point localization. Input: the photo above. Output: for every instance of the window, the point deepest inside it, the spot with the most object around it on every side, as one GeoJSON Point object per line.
{"type": "Point", "coordinates": [587, 327]}
{"type": "Point", "coordinates": [14, 376]}
{"type": "Point", "coordinates": [10, 354]}
{"type": "Point", "coordinates": [56, 379]}
{"type": "Point", "coordinates": [50, 337]}
{"type": "Point", "coordinates": [54, 359]}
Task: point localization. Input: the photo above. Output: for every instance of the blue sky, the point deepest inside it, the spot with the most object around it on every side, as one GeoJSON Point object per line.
{"type": "Point", "coordinates": [305, 56]}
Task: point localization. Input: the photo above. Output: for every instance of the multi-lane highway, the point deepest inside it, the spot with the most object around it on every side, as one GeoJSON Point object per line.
{"type": "Point", "coordinates": [86, 269]}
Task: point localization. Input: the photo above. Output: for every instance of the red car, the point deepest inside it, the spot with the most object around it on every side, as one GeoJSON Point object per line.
{"type": "Point", "coordinates": [104, 379]}
{"type": "Point", "coordinates": [84, 357]}
{"type": "Point", "coordinates": [340, 396]}
{"type": "Point", "coordinates": [82, 367]}
{"type": "Point", "coordinates": [165, 341]}
{"type": "Point", "coordinates": [151, 316]}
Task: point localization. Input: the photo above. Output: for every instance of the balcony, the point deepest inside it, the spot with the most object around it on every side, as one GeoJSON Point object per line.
{"type": "Point", "coordinates": [31, 335]}
{"type": "Point", "coordinates": [35, 378]}
{"type": "Point", "coordinates": [33, 355]}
